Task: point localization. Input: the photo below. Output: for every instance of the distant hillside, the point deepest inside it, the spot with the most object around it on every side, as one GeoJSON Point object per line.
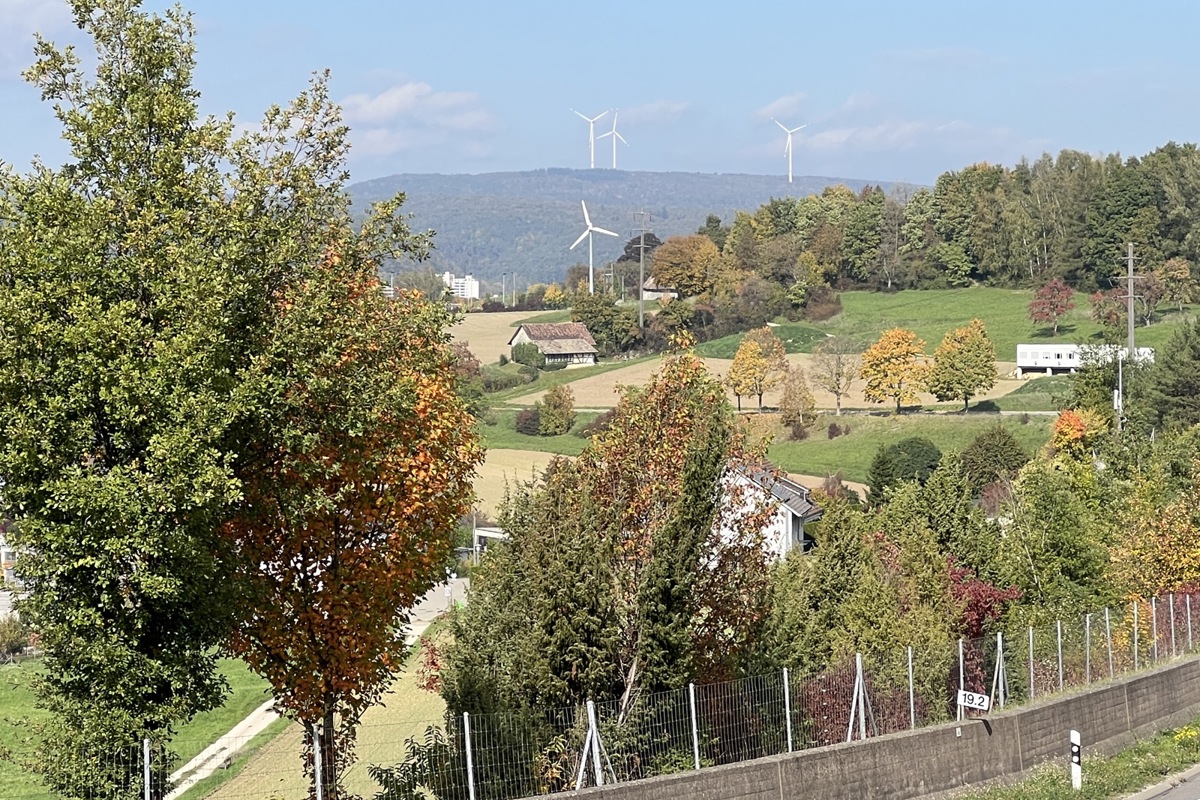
{"type": "Point", "coordinates": [524, 222]}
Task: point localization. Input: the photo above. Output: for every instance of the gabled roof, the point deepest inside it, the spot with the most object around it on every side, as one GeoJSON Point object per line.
{"type": "Point", "coordinates": [543, 332]}
{"type": "Point", "coordinates": [565, 347]}
{"type": "Point", "coordinates": [791, 494]}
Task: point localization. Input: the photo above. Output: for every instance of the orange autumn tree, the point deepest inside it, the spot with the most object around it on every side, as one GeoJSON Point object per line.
{"type": "Point", "coordinates": [363, 464]}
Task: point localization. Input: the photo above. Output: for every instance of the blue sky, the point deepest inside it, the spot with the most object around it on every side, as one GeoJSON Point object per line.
{"type": "Point", "coordinates": [890, 91]}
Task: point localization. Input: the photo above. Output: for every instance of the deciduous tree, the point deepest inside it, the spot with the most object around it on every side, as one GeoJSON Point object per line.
{"type": "Point", "coordinates": [963, 364]}
{"type": "Point", "coordinates": [687, 264]}
{"type": "Point", "coordinates": [837, 362]}
{"type": "Point", "coordinates": [557, 411]}
{"type": "Point", "coordinates": [748, 373]}
{"type": "Point", "coordinates": [894, 367]}
{"type": "Point", "coordinates": [1179, 285]}
{"type": "Point", "coordinates": [797, 408]}
{"type": "Point", "coordinates": [1051, 303]}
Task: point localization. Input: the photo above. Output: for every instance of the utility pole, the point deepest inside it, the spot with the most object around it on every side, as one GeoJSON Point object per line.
{"type": "Point", "coordinates": [1129, 319]}
{"type": "Point", "coordinates": [643, 218]}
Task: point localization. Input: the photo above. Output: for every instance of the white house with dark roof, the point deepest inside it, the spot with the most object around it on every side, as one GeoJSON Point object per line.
{"type": "Point", "coordinates": [793, 509]}
{"type": "Point", "coordinates": [568, 343]}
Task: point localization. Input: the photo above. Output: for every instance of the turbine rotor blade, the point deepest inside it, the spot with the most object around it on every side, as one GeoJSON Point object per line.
{"type": "Point", "coordinates": [777, 122]}
{"type": "Point", "coordinates": [802, 127]}
{"type": "Point", "coordinates": [586, 219]}
{"type": "Point", "coordinates": [578, 241]}
{"type": "Point", "coordinates": [581, 116]}
{"type": "Point", "coordinates": [601, 230]}
{"type": "Point", "coordinates": [619, 136]}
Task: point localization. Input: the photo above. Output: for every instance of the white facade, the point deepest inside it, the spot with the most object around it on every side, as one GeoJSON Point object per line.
{"type": "Point", "coordinates": [1056, 358]}
{"type": "Point", "coordinates": [466, 288]}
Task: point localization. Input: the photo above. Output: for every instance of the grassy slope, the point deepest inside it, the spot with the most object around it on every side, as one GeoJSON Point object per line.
{"type": "Point", "coordinates": [852, 454]}
{"type": "Point", "coordinates": [932, 313]}
{"type": "Point", "coordinates": [503, 435]}
{"type": "Point", "coordinates": [557, 377]}
{"type": "Point", "coordinates": [17, 703]}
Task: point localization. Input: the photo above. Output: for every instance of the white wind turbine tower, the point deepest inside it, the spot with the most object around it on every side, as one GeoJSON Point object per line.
{"type": "Point", "coordinates": [587, 234]}
{"type": "Point", "coordinates": [787, 148]}
{"type": "Point", "coordinates": [591, 121]}
{"type": "Point", "coordinates": [613, 133]}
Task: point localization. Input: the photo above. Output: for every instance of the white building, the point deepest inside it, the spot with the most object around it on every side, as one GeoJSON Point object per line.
{"type": "Point", "coordinates": [466, 288]}
{"type": "Point", "coordinates": [1051, 359]}
{"type": "Point", "coordinates": [791, 509]}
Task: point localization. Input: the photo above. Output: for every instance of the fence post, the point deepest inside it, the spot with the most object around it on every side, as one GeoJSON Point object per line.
{"type": "Point", "coordinates": [1108, 639]}
{"type": "Point", "coordinates": [146, 766]}
{"type": "Point", "coordinates": [1188, 601]}
{"type": "Point", "coordinates": [1058, 625]}
{"type": "Point", "coordinates": [1000, 676]}
{"type": "Point", "coordinates": [912, 703]}
{"type": "Point", "coordinates": [862, 698]}
{"type": "Point", "coordinates": [470, 762]}
{"type": "Point", "coordinates": [961, 679]}
{"type": "Point", "coordinates": [317, 776]}
{"type": "Point", "coordinates": [1154, 625]}
{"type": "Point", "coordinates": [695, 729]}
{"type": "Point", "coordinates": [1031, 689]}
{"type": "Point", "coordinates": [787, 707]}
{"type": "Point", "coordinates": [1171, 598]}
{"type": "Point", "coordinates": [1135, 635]}
{"type": "Point", "coordinates": [1087, 648]}
{"type": "Point", "coordinates": [596, 767]}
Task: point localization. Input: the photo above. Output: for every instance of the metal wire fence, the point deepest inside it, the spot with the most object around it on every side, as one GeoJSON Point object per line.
{"type": "Point", "coordinates": [501, 756]}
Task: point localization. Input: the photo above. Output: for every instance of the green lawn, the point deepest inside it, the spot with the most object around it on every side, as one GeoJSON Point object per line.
{"type": "Point", "coordinates": [852, 454]}
{"type": "Point", "coordinates": [557, 377]}
{"type": "Point", "coordinates": [1037, 394]}
{"type": "Point", "coordinates": [18, 713]}
{"type": "Point", "coordinates": [934, 312]}
{"type": "Point", "coordinates": [561, 315]}
{"type": "Point", "coordinates": [500, 433]}
{"type": "Point", "coordinates": [798, 337]}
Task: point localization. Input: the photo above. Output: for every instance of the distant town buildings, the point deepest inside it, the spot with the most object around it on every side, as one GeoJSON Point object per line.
{"type": "Point", "coordinates": [466, 288]}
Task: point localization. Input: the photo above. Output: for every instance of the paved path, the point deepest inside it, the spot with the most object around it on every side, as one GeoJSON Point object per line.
{"type": "Point", "coordinates": [1181, 786]}
{"type": "Point", "coordinates": [222, 751]}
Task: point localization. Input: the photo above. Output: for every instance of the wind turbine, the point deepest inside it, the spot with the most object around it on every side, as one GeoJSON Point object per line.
{"type": "Point", "coordinates": [591, 121]}
{"type": "Point", "coordinates": [787, 148]}
{"type": "Point", "coordinates": [613, 133]}
{"type": "Point", "coordinates": [587, 234]}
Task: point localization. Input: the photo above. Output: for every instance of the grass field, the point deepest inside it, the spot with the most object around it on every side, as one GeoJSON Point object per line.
{"type": "Point", "coordinates": [934, 312]}
{"type": "Point", "coordinates": [273, 769]}
{"type": "Point", "coordinates": [852, 454]}
{"type": "Point", "coordinates": [530, 392]}
{"type": "Point", "coordinates": [502, 468]}
{"type": "Point", "coordinates": [1038, 394]}
{"type": "Point", "coordinates": [17, 713]}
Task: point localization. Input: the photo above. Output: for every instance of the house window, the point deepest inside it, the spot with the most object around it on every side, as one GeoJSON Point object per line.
{"type": "Point", "coordinates": [1058, 356]}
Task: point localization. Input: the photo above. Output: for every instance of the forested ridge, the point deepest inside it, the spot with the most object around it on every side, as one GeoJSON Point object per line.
{"type": "Point", "coordinates": [1057, 216]}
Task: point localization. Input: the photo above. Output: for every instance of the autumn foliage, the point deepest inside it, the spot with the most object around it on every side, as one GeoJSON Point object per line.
{"type": "Point", "coordinates": [351, 499]}
{"type": "Point", "coordinates": [1051, 303]}
{"type": "Point", "coordinates": [894, 367]}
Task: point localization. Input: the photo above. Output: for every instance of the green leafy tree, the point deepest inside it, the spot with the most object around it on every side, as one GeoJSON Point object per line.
{"type": "Point", "coordinates": [911, 459]}
{"type": "Point", "coordinates": [613, 327]}
{"type": "Point", "coordinates": [1174, 379]}
{"type": "Point", "coordinates": [993, 455]}
{"type": "Point", "coordinates": [963, 364]}
{"type": "Point", "coordinates": [131, 299]}
{"type": "Point", "coordinates": [557, 411]}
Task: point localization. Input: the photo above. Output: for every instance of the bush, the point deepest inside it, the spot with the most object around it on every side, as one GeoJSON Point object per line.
{"type": "Point", "coordinates": [599, 425]}
{"type": "Point", "coordinates": [528, 354]}
{"type": "Point", "coordinates": [823, 303]}
{"type": "Point", "coordinates": [491, 306]}
{"type": "Point", "coordinates": [496, 381]}
{"type": "Point", "coordinates": [835, 430]}
{"type": "Point", "coordinates": [558, 411]}
{"type": "Point", "coordinates": [503, 359]}
{"type": "Point", "coordinates": [799, 432]}
{"type": "Point", "coordinates": [554, 366]}
{"type": "Point", "coordinates": [530, 373]}
{"type": "Point", "coordinates": [529, 421]}
{"type": "Point", "coordinates": [14, 636]}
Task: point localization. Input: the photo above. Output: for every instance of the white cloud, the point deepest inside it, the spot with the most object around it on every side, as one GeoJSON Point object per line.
{"type": "Point", "coordinates": [785, 106]}
{"type": "Point", "coordinates": [413, 115]}
{"type": "Point", "coordinates": [659, 112]}
{"type": "Point", "coordinates": [19, 20]}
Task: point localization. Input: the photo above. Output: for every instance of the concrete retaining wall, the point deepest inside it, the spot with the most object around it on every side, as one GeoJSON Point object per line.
{"type": "Point", "coordinates": [946, 757]}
